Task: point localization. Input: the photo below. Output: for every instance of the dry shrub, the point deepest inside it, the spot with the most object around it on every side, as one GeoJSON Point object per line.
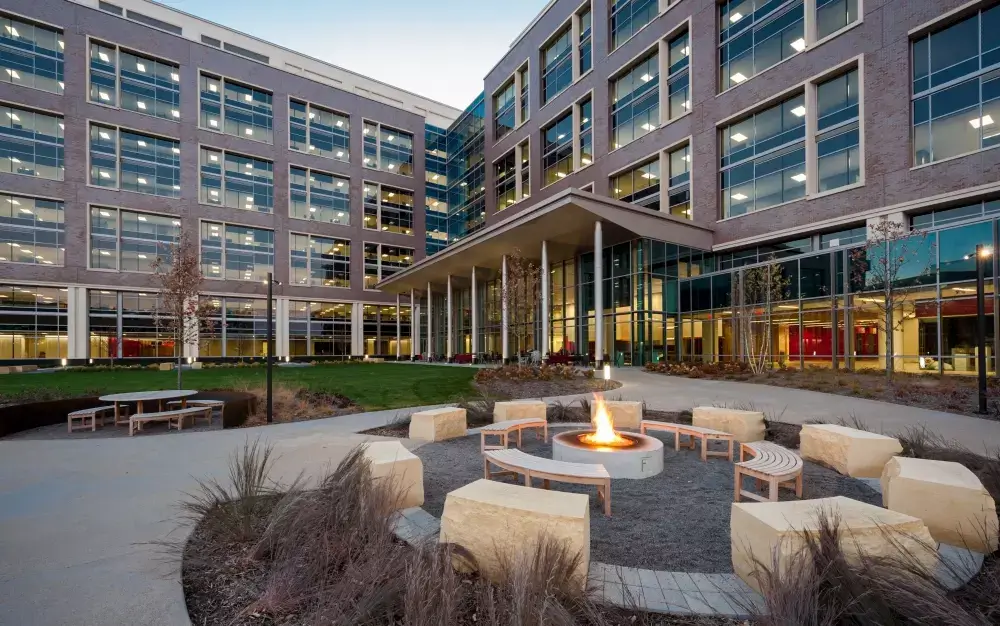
{"type": "Point", "coordinates": [820, 586]}
{"type": "Point", "coordinates": [479, 410]}
{"type": "Point", "coordinates": [528, 372]}
{"type": "Point", "coordinates": [294, 404]}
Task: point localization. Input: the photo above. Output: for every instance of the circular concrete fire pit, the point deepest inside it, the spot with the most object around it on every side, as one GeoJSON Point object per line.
{"type": "Point", "coordinates": [642, 459]}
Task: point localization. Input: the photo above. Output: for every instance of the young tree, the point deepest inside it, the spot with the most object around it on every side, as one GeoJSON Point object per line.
{"type": "Point", "coordinates": [179, 312]}
{"type": "Point", "coordinates": [521, 295]}
{"type": "Point", "coordinates": [754, 289]}
{"type": "Point", "coordinates": [891, 256]}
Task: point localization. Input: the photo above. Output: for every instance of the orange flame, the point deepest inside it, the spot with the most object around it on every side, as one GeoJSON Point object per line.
{"type": "Point", "coordinates": [604, 427]}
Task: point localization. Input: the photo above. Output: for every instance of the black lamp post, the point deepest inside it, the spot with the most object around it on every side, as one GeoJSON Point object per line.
{"type": "Point", "coordinates": [270, 344]}
{"type": "Point", "coordinates": [983, 253]}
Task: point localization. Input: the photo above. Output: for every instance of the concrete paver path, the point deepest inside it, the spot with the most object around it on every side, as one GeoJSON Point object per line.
{"type": "Point", "coordinates": [77, 515]}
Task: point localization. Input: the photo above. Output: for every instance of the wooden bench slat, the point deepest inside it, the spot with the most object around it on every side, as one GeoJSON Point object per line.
{"type": "Point", "coordinates": [692, 432]}
{"type": "Point", "coordinates": [503, 430]}
{"type": "Point", "coordinates": [518, 462]}
{"type": "Point", "coordinates": [771, 462]}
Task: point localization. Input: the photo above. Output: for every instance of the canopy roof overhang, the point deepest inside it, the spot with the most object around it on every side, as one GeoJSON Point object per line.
{"type": "Point", "coordinates": [565, 221]}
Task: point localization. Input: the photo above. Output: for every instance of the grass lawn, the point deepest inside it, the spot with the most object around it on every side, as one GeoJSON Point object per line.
{"type": "Point", "coordinates": [374, 386]}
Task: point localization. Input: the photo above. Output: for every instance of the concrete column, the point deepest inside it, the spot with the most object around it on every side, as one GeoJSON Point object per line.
{"type": "Point", "coordinates": [518, 161]}
{"type": "Point", "coordinates": [475, 316]}
{"type": "Point", "coordinates": [414, 324]}
{"type": "Point", "coordinates": [505, 346]}
{"type": "Point", "coordinates": [282, 341]}
{"type": "Point", "coordinates": [545, 298]}
{"type": "Point", "coordinates": [450, 316]}
{"type": "Point", "coordinates": [577, 151]}
{"type": "Point", "coordinates": [517, 99]}
{"type": "Point", "coordinates": [598, 294]}
{"type": "Point", "coordinates": [357, 329]}
{"type": "Point", "coordinates": [77, 327]}
{"type": "Point", "coordinates": [575, 45]}
{"type": "Point", "coordinates": [399, 336]}
{"type": "Point", "coordinates": [663, 67]}
{"type": "Point", "coordinates": [430, 322]}
{"type": "Point", "coordinates": [812, 160]}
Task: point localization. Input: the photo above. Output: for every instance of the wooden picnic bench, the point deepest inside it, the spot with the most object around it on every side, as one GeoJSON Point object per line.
{"type": "Point", "coordinates": [503, 430]}
{"type": "Point", "coordinates": [515, 462]}
{"type": "Point", "coordinates": [174, 419]}
{"type": "Point", "coordinates": [214, 404]}
{"type": "Point", "coordinates": [692, 432]}
{"type": "Point", "coordinates": [778, 466]}
{"type": "Point", "coordinates": [88, 417]}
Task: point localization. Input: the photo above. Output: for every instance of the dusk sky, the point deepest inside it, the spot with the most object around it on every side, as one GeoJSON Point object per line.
{"type": "Point", "coordinates": [440, 49]}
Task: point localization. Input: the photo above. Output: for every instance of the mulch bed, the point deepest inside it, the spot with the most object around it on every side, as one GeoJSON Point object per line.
{"type": "Point", "coordinates": [521, 389]}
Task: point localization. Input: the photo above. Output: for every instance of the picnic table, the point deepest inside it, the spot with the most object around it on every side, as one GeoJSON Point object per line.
{"type": "Point", "coordinates": [139, 397]}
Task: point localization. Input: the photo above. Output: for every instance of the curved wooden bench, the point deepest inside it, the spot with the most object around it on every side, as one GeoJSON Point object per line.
{"type": "Point", "coordinates": [503, 430]}
{"type": "Point", "coordinates": [693, 432]}
{"type": "Point", "coordinates": [88, 418]}
{"type": "Point", "coordinates": [515, 462]}
{"type": "Point", "coordinates": [779, 466]}
{"type": "Point", "coordinates": [174, 419]}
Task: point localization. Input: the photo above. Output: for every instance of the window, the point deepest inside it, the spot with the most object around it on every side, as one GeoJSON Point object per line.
{"type": "Point", "coordinates": [388, 149]}
{"type": "Point", "coordinates": [436, 188]}
{"type": "Point", "coordinates": [31, 144]}
{"type": "Point", "coordinates": [956, 89]}
{"type": "Point", "coordinates": [33, 322]}
{"type": "Point", "coordinates": [30, 55]}
{"type": "Point", "coordinates": [678, 83]}
{"type": "Point", "coordinates": [557, 149]}
{"type": "Point", "coordinates": [505, 175]}
{"type": "Point", "coordinates": [843, 238]}
{"type": "Point", "coordinates": [133, 82]}
{"type": "Point", "coordinates": [640, 185]}
{"type": "Point", "coordinates": [235, 109]}
{"type": "Point", "coordinates": [238, 328]}
{"type": "Point", "coordinates": [233, 252]}
{"type": "Point", "coordinates": [628, 17]}
{"type": "Point", "coordinates": [319, 328]}
{"type": "Point", "coordinates": [130, 241]}
{"type": "Point", "coordinates": [319, 196]}
{"type": "Point", "coordinates": [382, 261]}
{"type": "Point", "coordinates": [635, 101]}
{"type": "Point", "coordinates": [763, 159]}
{"type": "Point", "coordinates": [586, 57]}
{"type": "Point", "coordinates": [756, 34]}
{"type": "Point", "coordinates": [320, 261]}
{"type": "Point", "coordinates": [525, 93]}
{"type": "Point", "coordinates": [679, 182]}
{"type": "Point", "coordinates": [236, 181]}
{"type": "Point", "coordinates": [122, 324]}
{"type": "Point", "coordinates": [388, 209]}
{"type": "Point", "coordinates": [832, 15]}
{"type": "Point", "coordinates": [586, 132]}
{"type": "Point", "coordinates": [839, 134]}
{"type": "Point", "coordinates": [557, 64]}
{"type": "Point", "coordinates": [319, 131]}
{"type": "Point", "coordinates": [503, 107]}
{"type": "Point", "coordinates": [32, 230]}
{"type": "Point", "coordinates": [130, 161]}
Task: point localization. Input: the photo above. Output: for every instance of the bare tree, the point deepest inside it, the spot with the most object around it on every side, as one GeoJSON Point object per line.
{"type": "Point", "coordinates": [521, 295]}
{"type": "Point", "coordinates": [179, 312]}
{"type": "Point", "coordinates": [878, 267]}
{"type": "Point", "coordinates": [754, 289]}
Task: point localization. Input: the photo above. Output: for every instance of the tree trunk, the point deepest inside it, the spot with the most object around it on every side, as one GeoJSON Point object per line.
{"type": "Point", "coordinates": [889, 341]}
{"type": "Point", "coordinates": [180, 354]}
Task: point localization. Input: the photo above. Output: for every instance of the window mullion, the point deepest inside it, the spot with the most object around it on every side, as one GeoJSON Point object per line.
{"type": "Point", "coordinates": [812, 147]}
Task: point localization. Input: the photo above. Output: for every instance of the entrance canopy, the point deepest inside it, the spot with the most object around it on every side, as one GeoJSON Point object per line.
{"type": "Point", "coordinates": [565, 221]}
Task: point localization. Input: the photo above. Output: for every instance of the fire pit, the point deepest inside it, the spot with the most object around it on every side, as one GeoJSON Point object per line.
{"type": "Point", "coordinates": [624, 455]}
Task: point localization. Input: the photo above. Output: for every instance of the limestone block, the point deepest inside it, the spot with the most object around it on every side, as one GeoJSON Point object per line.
{"type": "Point", "coordinates": [438, 424]}
{"type": "Point", "coordinates": [27, 368]}
{"type": "Point", "coordinates": [197, 365]}
{"type": "Point", "coordinates": [405, 472]}
{"type": "Point", "coordinates": [518, 410]}
{"type": "Point", "coordinates": [746, 426]}
{"type": "Point", "coordinates": [850, 451]}
{"type": "Point", "coordinates": [947, 496]}
{"type": "Point", "coordinates": [773, 533]}
{"type": "Point", "coordinates": [624, 413]}
{"type": "Point", "coordinates": [166, 367]}
{"type": "Point", "coordinates": [503, 523]}
{"type": "Point", "coordinates": [6, 369]}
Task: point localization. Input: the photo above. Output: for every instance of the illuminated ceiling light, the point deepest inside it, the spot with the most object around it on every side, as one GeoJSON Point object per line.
{"type": "Point", "coordinates": [13, 73]}
{"type": "Point", "coordinates": [799, 178]}
{"type": "Point", "coordinates": [104, 135]}
{"type": "Point", "coordinates": [561, 136]}
{"type": "Point", "coordinates": [340, 123]}
{"type": "Point", "coordinates": [561, 174]}
{"type": "Point", "coordinates": [175, 76]}
{"type": "Point", "coordinates": [738, 77]}
{"type": "Point", "coordinates": [985, 120]}
{"type": "Point", "coordinates": [646, 78]}
{"type": "Point", "coordinates": [649, 175]}
{"type": "Point", "coordinates": [14, 160]}
{"type": "Point", "coordinates": [463, 184]}
{"type": "Point", "coordinates": [176, 150]}
{"type": "Point", "coordinates": [340, 183]}
{"type": "Point", "coordinates": [686, 104]}
{"type": "Point", "coordinates": [62, 44]}
{"type": "Point", "coordinates": [249, 166]}
{"type": "Point", "coordinates": [176, 222]}
{"type": "Point", "coordinates": [391, 166]}
{"type": "Point", "coordinates": [141, 218]}
{"type": "Point", "coordinates": [13, 116]}
{"type": "Point", "coordinates": [799, 111]}
{"type": "Point", "coordinates": [62, 85]}
{"type": "Point", "coordinates": [142, 256]}
{"type": "Point", "coordinates": [739, 196]}
{"type": "Point", "coordinates": [739, 137]}
{"type": "Point", "coordinates": [105, 253]}
{"type": "Point", "coordinates": [367, 160]}
{"type": "Point", "coordinates": [390, 138]}
{"type": "Point", "coordinates": [212, 87]}
{"type": "Point", "coordinates": [685, 51]}
{"type": "Point", "coordinates": [735, 17]}
{"type": "Point", "coordinates": [141, 181]}
{"type": "Point", "coordinates": [339, 154]}
{"type": "Point", "coordinates": [249, 198]}
{"type": "Point", "coordinates": [175, 113]}
{"type": "Point", "coordinates": [28, 211]}
{"type": "Point", "coordinates": [105, 175]}
{"type": "Point", "coordinates": [213, 123]}
{"type": "Point", "coordinates": [141, 105]}
{"type": "Point", "coordinates": [311, 115]}
{"type": "Point", "coordinates": [248, 131]}
{"type": "Point", "coordinates": [435, 203]}
{"type": "Point", "coordinates": [799, 44]}
{"type": "Point", "coordinates": [586, 161]}
{"type": "Point", "coordinates": [648, 127]}
{"type": "Point", "coordinates": [105, 214]}
{"type": "Point", "coordinates": [140, 67]}
{"type": "Point", "coordinates": [16, 245]}
{"type": "Point", "coordinates": [214, 193]}
{"type": "Point", "coordinates": [142, 144]}
{"type": "Point", "coordinates": [248, 97]}
{"type": "Point", "coordinates": [213, 157]}
{"type": "Point", "coordinates": [104, 56]}
{"type": "Point", "coordinates": [104, 95]}
{"type": "Point", "coordinates": [435, 177]}
{"type": "Point", "coordinates": [686, 157]}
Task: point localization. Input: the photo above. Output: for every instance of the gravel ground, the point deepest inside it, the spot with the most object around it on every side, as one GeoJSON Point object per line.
{"type": "Point", "coordinates": [676, 521]}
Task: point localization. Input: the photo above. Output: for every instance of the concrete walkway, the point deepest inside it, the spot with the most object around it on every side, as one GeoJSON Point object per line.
{"type": "Point", "coordinates": [77, 517]}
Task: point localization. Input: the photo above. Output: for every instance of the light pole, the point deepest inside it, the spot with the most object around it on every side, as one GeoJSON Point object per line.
{"type": "Point", "coordinates": [983, 253]}
{"type": "Point", "coordinates": [270, 344]}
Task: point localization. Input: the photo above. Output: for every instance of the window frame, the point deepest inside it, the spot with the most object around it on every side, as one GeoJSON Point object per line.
{"type": "Point", "coordinates": [309, 106]}
{"type": "Point", "coordinates": [223, 80]}
{"type": "Point", "coordinates": [378, 216]}
{"type": "Point", "coordinates": [222, 262]}
{"type": "Point", "coordinates": [364, 264]}
{"type": "Point", "coordinates": [119, 237]}
{"type": "Point", "coordinates": [60, 231]}
{"type": "Point", "coordinates": [309, 170]}
{"type": "Point", "coordinates": [225, 152]}
{"type": "Point", "coordinates": [90, 123]}
{"type": "Point", "coordinates": [62, 127]}
{"type": "Point", "coordinates": [564, 29]}
{"type": "Point", "coordinates": [378, 148]}
{"type": "Point", "coordinates": [309, 266]}
{"type": "Point", "coordinates": [91, 40]}
{"type": "Point", "coordinates": [60, 32]}
{"type": "Point", "coordinates": [511, 107]}
{"type": "Point", "coordinates": [571, 141]}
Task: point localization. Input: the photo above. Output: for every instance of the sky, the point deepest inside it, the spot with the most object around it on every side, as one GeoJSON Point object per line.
{"type": "Point", "coordinates": [440, 49]}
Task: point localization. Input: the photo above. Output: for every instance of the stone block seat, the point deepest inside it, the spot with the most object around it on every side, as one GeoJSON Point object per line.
{"type": "Point", "coordinates": [626, 414]}
{"type": "Point", "coordinates": [745, 426]}
{"type": "Point", "coordinates": [438, 424]}
{"type": "Point", "coordinates": [403, 470]}
{"type": "Point", "coordinates": [519, 410]}
{"type": "Point", "coordinates": [502, 523]}
{"type": "Point", "coordinates": [772, 533]}
{"type": "Point", "coordinates": [947, 496]}
{"type": "Point", "coordinates": [852, 452]}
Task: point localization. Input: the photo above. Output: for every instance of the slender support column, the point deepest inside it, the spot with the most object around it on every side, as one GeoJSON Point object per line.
{"type": "Point", "coordinates": [545, 299]}
{"type": "Point", "coordinates": [430, 323]}
{"type": "Point", "coordinates": [414, 324]}
{"type": "Point", "coordinates": [505, 347]}
{"type": "Point", "coordinates": [475, 316]}
{"type": "Point", "coordinates": [399, 336]}
{"type": "Point", "coordinates": [598, 294]}
{"type": "Point", "coordinates": [450, 317]}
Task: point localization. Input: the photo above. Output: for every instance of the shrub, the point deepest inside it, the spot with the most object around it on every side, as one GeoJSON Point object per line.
{"type": "Point", "coordinates": [293, 404]}
{"type": "Point", "coordinates": [530, 372]}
